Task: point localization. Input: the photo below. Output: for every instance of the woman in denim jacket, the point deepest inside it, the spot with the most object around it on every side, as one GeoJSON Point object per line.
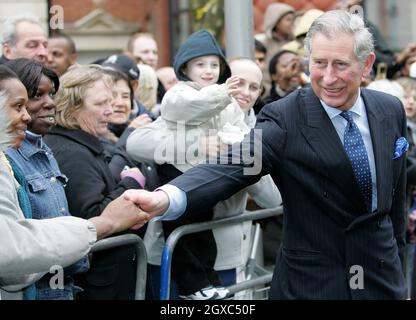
{"type": "Point", "coordinates": [42, 178]}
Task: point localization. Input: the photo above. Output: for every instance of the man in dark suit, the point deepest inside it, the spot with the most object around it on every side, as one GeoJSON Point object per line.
{"type": "Point", "coordinates": [330, 150]}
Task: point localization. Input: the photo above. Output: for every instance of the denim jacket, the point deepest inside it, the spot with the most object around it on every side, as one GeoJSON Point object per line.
{"type": "Point", "coordinates": [45, 184]}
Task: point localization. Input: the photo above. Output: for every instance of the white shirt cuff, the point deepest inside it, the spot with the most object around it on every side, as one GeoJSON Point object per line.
{"type": "Point", "coordinates": [177, 203]}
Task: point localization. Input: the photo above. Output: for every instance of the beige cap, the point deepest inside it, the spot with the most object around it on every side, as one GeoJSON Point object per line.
{"type": "Point", "coordinates": [305, 22]}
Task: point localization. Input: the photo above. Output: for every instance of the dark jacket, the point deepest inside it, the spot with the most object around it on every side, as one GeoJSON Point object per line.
{"type": "Point", "coordinates": [90, 188]}
{"type": "Point", "coordinates": [274, 96]}
{"type": "Point", "coordinates": [3, 59]}
{"type": "Point", "coordinates": [328, 236]}
{"type": "Point", "coordinates": [117, 158]}
{"type": "Point", "coordinates": [199, 44]}
{"type": "Point", "coordinates": [91, 185]}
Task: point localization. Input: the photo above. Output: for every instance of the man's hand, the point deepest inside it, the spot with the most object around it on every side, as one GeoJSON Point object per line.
{"type": "Point", "coordinates": [119, 215]}
{"type": "Point", "coordinates": [154, 203]}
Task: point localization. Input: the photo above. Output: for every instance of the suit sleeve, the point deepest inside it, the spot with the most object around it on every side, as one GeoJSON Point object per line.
{"type": "Point", "coordinates": [398, 212]}
{"type": "Point", "coordinates": [259, 154]}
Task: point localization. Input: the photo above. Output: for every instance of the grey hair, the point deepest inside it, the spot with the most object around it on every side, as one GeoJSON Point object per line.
{"type": "Point", "coordinates": [334, 22]}
{"type": "Point", "coordinates": [10, 26]}
{"type": "Point", "coordinates": [5, 137]}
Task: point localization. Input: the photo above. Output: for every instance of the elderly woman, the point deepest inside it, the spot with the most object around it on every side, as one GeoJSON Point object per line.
{"type": "Point", "coordinates": [83, 105]}
{"type": "Point", "coordinates": [40, 172]}
{"type": "Point", "coordinates": [120, 127]}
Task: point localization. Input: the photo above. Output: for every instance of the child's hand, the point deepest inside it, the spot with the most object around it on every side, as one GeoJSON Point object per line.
{"type": "Point", "coordinates": [140, 121]}
{"type": "Point", "coordinates": [232, 85]}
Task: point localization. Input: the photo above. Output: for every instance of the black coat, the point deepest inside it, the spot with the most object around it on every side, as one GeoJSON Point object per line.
{"type": "Point", "coordinates": [90, 188]}
{"type": "Point", "coordinates": [3, 59]}
{"type": "Point", "coordinates": [91, 185]}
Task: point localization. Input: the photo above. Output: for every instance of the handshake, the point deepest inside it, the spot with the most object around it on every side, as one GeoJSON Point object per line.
{"type": "Point", "coordinates": [133, 209]}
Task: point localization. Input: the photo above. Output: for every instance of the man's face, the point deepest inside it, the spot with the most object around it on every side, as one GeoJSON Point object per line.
{"type": "Point", "coordinates": [60, 55]}
{"type": "Point", "coordinates": [249, 87]}
{"type": "Point", "coordinates": [335, 70]}
{"type": "Point", "coordinates": [31, 43]}
{"type": "Point", "coordinates": [145, 51]}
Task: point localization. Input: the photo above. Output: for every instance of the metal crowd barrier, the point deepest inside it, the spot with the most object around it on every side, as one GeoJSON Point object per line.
{"type": "Point", "coordinates": [197, 227]}
{"type": "Point", "coordinates": [141, 257]}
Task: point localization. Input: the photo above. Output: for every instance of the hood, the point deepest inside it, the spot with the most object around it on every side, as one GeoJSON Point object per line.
{"type": "Point", "coordinates": [274, 13]}
{"type": "Point", "coordinates": [198, 44]}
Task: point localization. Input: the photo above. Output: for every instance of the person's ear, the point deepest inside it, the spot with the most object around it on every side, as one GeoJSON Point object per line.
{"type": "Point", "coordinates": [7, 50]}
{"type": "Point", "coordinates": [73, 58]}
{"type": "Point", "coordinates": [368, 65]}
{"type": "Point", "coordinates": [134, 84]}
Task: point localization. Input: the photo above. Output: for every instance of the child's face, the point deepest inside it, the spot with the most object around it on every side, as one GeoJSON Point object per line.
{"type": "Point", "coordinates": [249, 87]}
{"type": "Point", "coordinates": [203, 70]}
{"type": "Point", "coordinates": [410, 104]}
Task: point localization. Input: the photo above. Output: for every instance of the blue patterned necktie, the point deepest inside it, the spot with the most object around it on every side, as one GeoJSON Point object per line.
{"type": "Point", "coordinates": [355, 149]}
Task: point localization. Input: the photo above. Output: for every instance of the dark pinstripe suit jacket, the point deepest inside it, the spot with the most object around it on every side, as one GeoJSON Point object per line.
{"type": "Point", "coordinates": [326, 230]}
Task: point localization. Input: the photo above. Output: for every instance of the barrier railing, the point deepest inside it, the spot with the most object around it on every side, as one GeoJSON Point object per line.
{"type": "Point", "coordinates": [141, 257]}
{"type": "Point", "coordinates": [213, 224]}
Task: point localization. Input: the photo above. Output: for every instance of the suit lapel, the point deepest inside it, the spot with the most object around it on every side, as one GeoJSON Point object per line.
{"type": "Point", "coordinates": [324, 140]}
{"type": "Point", "coordinates": [383, 152]}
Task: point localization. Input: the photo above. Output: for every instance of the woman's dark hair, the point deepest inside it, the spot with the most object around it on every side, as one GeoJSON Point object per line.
{"type": "Point", "coordinates": [30, 72]}
{"type": "Point", "coordinates": [275, 60]}
{"type": "Point", "coordinates": [258, 46]}
{"type": "Point", "coordinates": [115, 76]}
{"type": "Point", "coordinates": [6, 74]}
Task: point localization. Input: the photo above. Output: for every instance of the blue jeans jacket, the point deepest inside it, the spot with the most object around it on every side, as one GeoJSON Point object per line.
{"type": "Point", "coordinates": [45, 184]}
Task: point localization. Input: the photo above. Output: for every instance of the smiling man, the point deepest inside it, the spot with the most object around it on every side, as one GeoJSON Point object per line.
{"type": "Point", "coordinates": [330, 150]}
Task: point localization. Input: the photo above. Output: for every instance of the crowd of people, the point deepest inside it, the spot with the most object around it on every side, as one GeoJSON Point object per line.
{"type": "Point", "coordinates": [120, 146]}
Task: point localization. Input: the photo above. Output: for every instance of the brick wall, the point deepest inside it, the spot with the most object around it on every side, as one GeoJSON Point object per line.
{"type": "Point", "coordinates": [152, 15]}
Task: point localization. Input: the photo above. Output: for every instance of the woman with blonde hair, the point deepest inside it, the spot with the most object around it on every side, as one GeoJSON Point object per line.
{"type": "Point", "coordinates": [83, 110]}
{"type": "Point", "coordinates": [146, 92]}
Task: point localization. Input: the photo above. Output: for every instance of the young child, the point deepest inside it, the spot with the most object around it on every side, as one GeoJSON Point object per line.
{"type": "Point", "coordinates": [205, 88]}
{"type": "Point", "coordinates": [202, 106]}
{"type": "Point", "coordinates": [193, 105]}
